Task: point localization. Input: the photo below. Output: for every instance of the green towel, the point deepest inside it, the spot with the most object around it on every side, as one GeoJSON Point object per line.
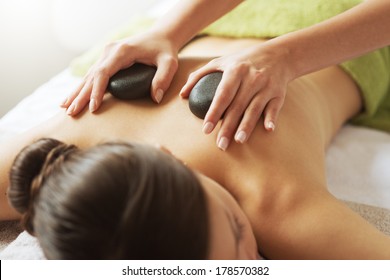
{"type": "Point", "coordinates": [267, 19]}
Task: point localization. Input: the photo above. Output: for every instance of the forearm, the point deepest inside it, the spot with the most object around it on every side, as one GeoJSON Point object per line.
{"type": "Point", "coordinates": [188, 18]}
{"type": "Point", "coordinates": [355, 32]}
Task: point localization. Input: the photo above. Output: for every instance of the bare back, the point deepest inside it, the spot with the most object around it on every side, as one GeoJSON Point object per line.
{"type": "Point", "coordinates": [315, 107]}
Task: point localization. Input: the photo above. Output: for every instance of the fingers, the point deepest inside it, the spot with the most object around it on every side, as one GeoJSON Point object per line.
{"type": "Point", "coordinates": [253, 99]}
{"type": "Point", "coordinates": [66, 103]}
{"type": "Point", "coordinates": [80, 100]}
{"type": "Point", "coordinates": [260, 105]}
{"type": "Point", "coordinates": [272, 113]}
{"type": "Point", "coordinates": [224, 95]}
{"type": "Point", "coordinates": [249, 120]}
{"type": "Point", "coordinates": [243, 128]}
{"type": "Point", "coordinates": [93, 88]}
{"type": "Point", "coordinates": [94, 85]}
{"type": "Point", "coordinates": [98, 90]}
{"type": "Point", "coordinates": [252, 115]}
{"type": "Point", "coordinates": [166, 69]}
{"type": "Point", "coordinates": [242, 114]}
{"type": "Point", "coordinates": [91, 91]}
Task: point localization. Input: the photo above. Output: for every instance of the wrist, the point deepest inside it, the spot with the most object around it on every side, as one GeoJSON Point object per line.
{"type": "Point", "coordinates": [292, 53]}
{"type": "Point", "coordinates": [277, 56]}
{"type": "Point", "coordinates": [171, 36]}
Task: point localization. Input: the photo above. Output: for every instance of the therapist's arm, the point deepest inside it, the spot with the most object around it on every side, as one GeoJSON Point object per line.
{"type": "Point", "coordinates": [159, 46]}
{"type": "Point", "coordinates": [266, 69]}
{"type": "Point", "coordinates": [188, 18]}
{"type": "Point", "coordinates": [362, 29]}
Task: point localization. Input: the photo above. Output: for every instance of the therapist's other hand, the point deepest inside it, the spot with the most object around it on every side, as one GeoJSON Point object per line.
{"type": "Point", "coordinates": [148, 48]}
{"type": "Point", "coordinates": [253, 85]}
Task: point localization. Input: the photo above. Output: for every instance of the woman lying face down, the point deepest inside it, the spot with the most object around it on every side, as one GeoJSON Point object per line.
{"type": "Point", "coordinates": [278, 179]}
{"type": "Point", "coordinates": [124, 201]}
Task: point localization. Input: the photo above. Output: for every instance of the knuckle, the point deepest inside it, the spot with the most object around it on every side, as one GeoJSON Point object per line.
{"type": "Point", "coordinates": [241, 64]}
{"type": "Point", "coordinates": [172, 61]}
{"type": "Point", "coordinates": [239, 67]}
{"type": "Point", "coordinates": [194, 75]}
{"type": "Point", "coordinates": [101, 71]}
{"type": "Point", "coordinates": [122, 50]}
{"type": "Point", "coordinates": [214, 62]}
{"type": "Point", "coordinates": [259, 72]}
{"type": "Point", "coordinates": [258, 76]}
{"type": "Point", "coordinates": [109, 46]}
{"type": "Point", "coordinates": [191, 75]}
{"type": "Point", "coordinates": [112, 48]}
{"type": "Point", "coordinates": [255, 109]}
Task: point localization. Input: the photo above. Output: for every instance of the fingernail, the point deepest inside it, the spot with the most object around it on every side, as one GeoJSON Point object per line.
{"type": "Point", "coordinates": [159, 95]}
{"type": "Point", "coordinates": [270, 126]}
{"type": "Point", "coordinates": [208, 127]}
{"type": "Point", "coordinates": [240, 137]}
{"type": "Point", "coordinates": [92, 105]}
{"type": "Point", "coordinates": [181, 93]}
{"type": "Point", "coordinates": [223, 143]}
{"type": "Point", "coordinates": [70, 109]}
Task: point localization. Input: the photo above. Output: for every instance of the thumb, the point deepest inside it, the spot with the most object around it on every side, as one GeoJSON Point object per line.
{"type": "Point", "coordinates": [166, 69]}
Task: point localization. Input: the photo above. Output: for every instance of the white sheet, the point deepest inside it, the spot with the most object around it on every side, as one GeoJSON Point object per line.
{"type": "Point", "coordinates": [39, 106]}
{"type": "Point", "coordinates": [358, 166]}
{"type": "Point", "coordinates": [358, 160]}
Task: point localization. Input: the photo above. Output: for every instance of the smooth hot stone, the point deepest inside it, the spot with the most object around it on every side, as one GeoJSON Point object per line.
{"type": "Point", "coordinates": [203, 93]}
{"type": "Point", "coordinates": [133, 82]}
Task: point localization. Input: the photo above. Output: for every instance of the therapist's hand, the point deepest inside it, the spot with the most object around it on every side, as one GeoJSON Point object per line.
{"type": "Point", "coordinates": [148, 48]}
{"type": "Point", "coordinates": [253, 85]}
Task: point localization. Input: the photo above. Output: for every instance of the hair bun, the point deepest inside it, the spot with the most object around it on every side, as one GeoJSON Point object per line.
{"type": "Point", "coordinates": [27, 173]}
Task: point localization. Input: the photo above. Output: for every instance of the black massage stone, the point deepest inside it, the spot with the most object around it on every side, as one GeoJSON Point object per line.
{"type": "Point", "coordinates": [133, 82]}
{"type": "Point", "coordinates": [203, 93]}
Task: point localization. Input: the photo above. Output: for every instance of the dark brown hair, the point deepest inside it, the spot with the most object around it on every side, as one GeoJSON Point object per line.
{"type": "Point", "coordinates": [111, 201]}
